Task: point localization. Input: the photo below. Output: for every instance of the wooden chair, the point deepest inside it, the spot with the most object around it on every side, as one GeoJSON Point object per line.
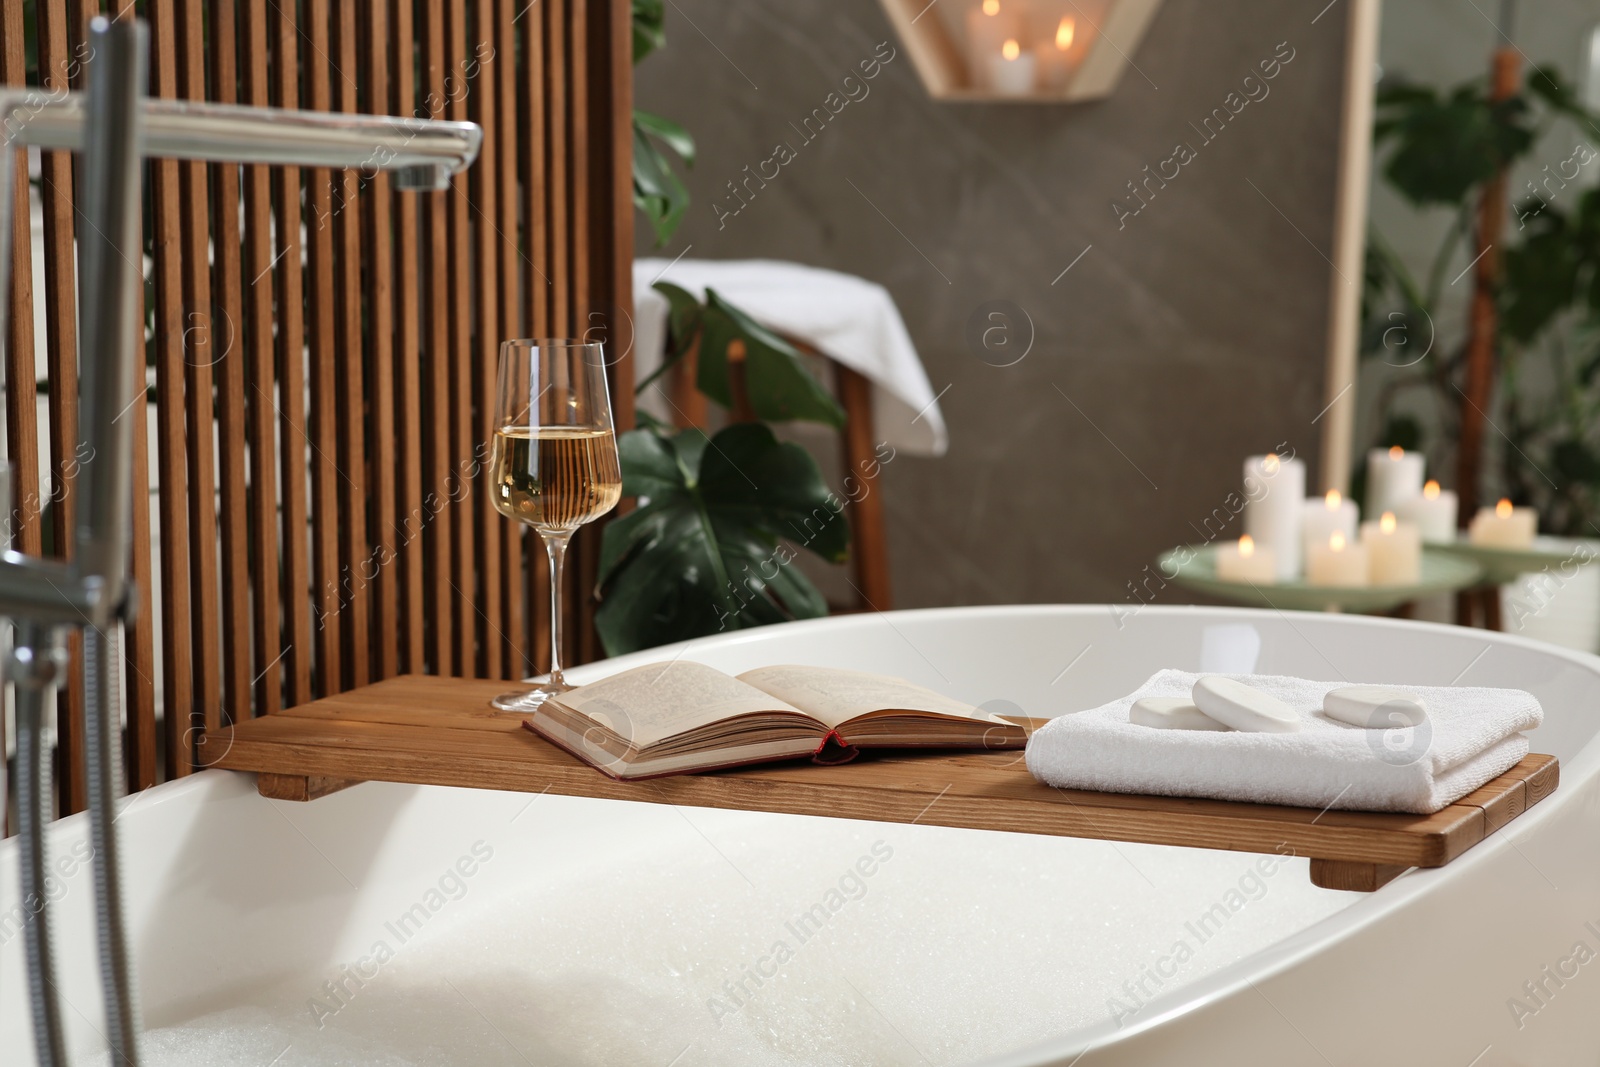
{"type": "Point", "coordinates": [869, 548]}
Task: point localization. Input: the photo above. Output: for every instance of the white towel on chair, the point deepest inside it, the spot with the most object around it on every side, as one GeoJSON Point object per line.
{"type": "Point", "coordinates": [1472, 735]}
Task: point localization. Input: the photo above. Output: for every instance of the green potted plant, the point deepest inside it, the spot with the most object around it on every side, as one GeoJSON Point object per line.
{"type": "Point", "coordinates": [720, 518]}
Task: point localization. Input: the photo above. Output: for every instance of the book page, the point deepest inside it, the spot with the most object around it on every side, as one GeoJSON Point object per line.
{"type": "Point", "coordinates": [833, 695]}
{"type": "Point", "coordinates": [649, 703]}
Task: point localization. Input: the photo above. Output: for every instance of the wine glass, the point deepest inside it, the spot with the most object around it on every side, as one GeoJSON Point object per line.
{"type": "Point", "coordinates": [553, 462]}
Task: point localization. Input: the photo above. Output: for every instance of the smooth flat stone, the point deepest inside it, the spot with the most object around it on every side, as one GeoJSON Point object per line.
{"type": "Point", "coordinates": [1375, 707]}
{"type": "Point", "coordinates": [1242, 707]}
{"type": "Point", "coordinates": [1171, 713]}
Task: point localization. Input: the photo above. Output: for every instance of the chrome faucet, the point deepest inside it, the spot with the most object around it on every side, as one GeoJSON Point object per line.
{"type": "Point", "coordinates": [113, 125]}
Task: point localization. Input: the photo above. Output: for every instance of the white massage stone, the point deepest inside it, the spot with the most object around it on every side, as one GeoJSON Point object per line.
{"type": "Point", "coordinates": [1376, 707]}
{"type": "Point", "coordinates": [1171, 713]}
{"type": "Point", "coordinates": [1244, 708]}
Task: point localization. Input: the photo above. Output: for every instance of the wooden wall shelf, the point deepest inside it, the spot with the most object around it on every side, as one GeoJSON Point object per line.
{"type": "Point", "coordinates": [1107, 33]}
{"type": "Point", "coordinates": [441, 731]}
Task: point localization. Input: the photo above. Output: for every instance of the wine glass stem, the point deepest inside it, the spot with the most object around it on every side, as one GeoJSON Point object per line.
{"type": "Point", "coordinates": [556, 546]}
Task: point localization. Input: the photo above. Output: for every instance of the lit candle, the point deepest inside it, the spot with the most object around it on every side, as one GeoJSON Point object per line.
{"type": "Point", "coordinates": [1504, 526]}
{"type": "Point", "coordinates": [1394, 551]}
{"type": "Point", "coordinates": [1434, 512]}
{"type": "Point", "coordinates": [1393, 475]}
{"type": "Point", "coordinates": [988, 29]}
{"type": "Point", "coordinates": [1326, 515]}
{"type": "Point", "coordinates": [1242, 561]}
{"type": "Point", "coordinates": [1274, 495]}
{"type": "Point", "coordinates": [1337, 563]}
{"type": "Point", "coordinates": [1052, 55]}
{"type": "Point", "coordinates": [1012, 72]}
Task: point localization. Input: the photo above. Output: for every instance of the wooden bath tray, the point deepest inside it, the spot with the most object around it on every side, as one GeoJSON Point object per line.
{"type": "Point", "coordinates": [441, 731]}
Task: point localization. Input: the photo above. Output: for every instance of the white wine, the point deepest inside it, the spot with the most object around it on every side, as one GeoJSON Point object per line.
{"type": "Point", "coordinates": [555, 478]}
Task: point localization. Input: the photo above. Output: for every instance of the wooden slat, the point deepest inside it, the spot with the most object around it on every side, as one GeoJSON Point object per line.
{"type": "Point", "coordinates": [441, 731]}
{"type": "Point", "coordinates": [138, 637]}
{"type": "Point", "coordinates": [22, 522]}
{"type": "Point", "coordinates": [297, 593]}
{"type": "Point", "coordinates": [258, 343]}
{"type": "Point", "coordinates": [459, 295]}
{"type": "Point", "coordinates": [377, 568]}
{"type": "Point", "coordinates": [22, 414]}
{"type": "Point", "coordinates": [512, 263]}
{"type": "Point", "coordinates": [541, 222]}
{"type": "Point", "coordinates": [582, 570]}
{"type": "Point", "coordinates": [408, 358]}
{"type": "Point", "coordinates": [484, 178]}
{"type": "Point", "coordinates": [228, 357]}
{"type": "Point", "coordinates": [201, 350]}
{"type": "Point", "coordinates": [354, 550]}
{"type": "Point", "coordinates": [61, 358]}
{"type": "Point", "coordinates": [437, 472]}
{"type": "Point", "coordinates": [328, 595]}
{"type": "Point", "coordinates": [177, 611]}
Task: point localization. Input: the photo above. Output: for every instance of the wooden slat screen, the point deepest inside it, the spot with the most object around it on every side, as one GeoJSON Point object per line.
{"type": "Point", "coordinates": [322, 350]}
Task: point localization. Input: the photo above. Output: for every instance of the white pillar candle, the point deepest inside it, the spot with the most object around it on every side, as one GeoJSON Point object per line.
{"type": "Point", "coordinates": [1274, 493]}
{"type": "Point", "coordinates": [1393, 475]}
{"type": "Point", "coordinates": [1338, 563]}
{"type": "Point", "coordinates": [1326, 515]}
{"type": "Point", "coordinates": [989, 26]}
{"type": "Point", "coordinates": [1394, 551]}
{"type": "Point", "coordinates": [1011, 71]}
{"type": "Point", "coordinates": [1435, 513]}
{"type": "Point", "coordinates": [1242, 561]}
{"type": "Point", "coordinates": [1504, 526]}
{"type": "Point", "coordinates": [1051, 57]}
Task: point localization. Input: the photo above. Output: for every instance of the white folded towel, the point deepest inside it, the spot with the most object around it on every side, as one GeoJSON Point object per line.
{"type": "Point", "coordinates": [1472, 736]}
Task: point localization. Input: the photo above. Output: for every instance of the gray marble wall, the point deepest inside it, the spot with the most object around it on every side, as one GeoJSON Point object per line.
{"type": "Point", "coordinates": [1188, 335]}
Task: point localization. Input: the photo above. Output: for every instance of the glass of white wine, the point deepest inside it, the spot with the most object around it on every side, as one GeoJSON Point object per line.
{"type": "Point", "coordinates": [553, 462]}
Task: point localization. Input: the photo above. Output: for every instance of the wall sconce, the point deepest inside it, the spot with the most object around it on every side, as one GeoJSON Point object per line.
{"type": "Point", "coordinates": [1037, 51]}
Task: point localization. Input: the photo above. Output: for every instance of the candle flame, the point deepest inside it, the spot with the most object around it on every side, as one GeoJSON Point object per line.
{"type": "Point", "coordinates": [1010, 49]}
{"type": "Point", "coordinates": [1271, 463]}
{"type": "Point", "coordinates": [1065, 32]}
{"type": "Point", "coordinates": [1503, 509]}
{"type": "Point", "coordinates": [991, 7]}
{"type": "Point", "coordinates": [1387, 523]}
{"type": "Point", "coordinates": [1333, 499]}
{"type": "Point", "coordinates": [1431, 490]}
{"type": "Point", "coordinates": [1247, 545]}
{"type": "Point", "coordinates": [1396, 452]}
{"type": "Point", "coordinates": [1336, 542]}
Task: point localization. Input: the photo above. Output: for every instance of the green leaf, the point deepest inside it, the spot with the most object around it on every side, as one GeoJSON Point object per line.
{"type": "Point", "coordinates": [683, 328]}
{"type": "Point", "coordinates": [668, 133]}
{"type": "Point", "coordinates": [1445, 146]}
{"type": "Point", "coordinates": [649, 34]}
{"type": "Point", "coordinates": [658, 192]}
{"type": "Point", "coordinates": [710, 548]}
{"type": "Point", "coordinates": [779, 384]}
{"type": "Point", "coordinates": [1541, 276]}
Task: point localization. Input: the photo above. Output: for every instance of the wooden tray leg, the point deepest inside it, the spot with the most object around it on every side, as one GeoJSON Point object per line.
{"type": "Point", "coordinates": [299, 786]}
{"type": "Point", "coordinates": [1352, 876]}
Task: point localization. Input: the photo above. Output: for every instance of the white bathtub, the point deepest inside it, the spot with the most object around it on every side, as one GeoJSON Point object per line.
{"type": "Point", "coordinates": [400, 924]}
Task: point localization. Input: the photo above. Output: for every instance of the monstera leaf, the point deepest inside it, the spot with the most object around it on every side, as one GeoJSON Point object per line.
{"type": "Point", "coordinates": [1445, 145]}
{"type": "Point", "coordinates": [776, 379]}
{"type": "Point", "coordinates": [709, 548]}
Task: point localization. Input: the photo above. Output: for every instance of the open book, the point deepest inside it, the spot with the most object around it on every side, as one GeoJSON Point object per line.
{"type": "Point", "coordinates": [668, 718]}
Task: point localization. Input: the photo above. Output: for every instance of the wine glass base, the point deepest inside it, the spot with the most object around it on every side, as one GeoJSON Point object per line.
{"type": "Point", "coordinates": [526, 700]}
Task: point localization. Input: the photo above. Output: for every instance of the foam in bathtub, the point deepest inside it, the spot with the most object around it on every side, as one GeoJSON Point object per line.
{"type": "Point", "coordinates": [777, 941]}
